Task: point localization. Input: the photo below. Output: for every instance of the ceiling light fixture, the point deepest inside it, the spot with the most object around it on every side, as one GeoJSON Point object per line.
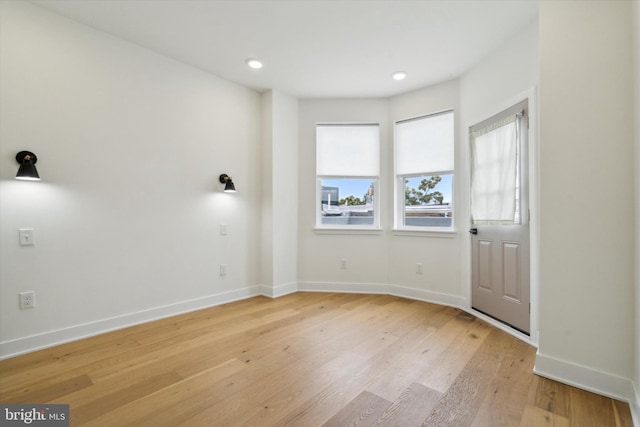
{"type": "Point", "coordinates": [399, 75]}
{"type": "Point", "coordinates": [254, 63]}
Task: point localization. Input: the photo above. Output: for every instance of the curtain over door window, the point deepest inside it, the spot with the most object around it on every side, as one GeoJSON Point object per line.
{"type": "Point", "coordinates": [494, 173]}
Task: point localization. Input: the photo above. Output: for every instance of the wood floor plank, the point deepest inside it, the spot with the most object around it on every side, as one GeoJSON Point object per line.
{"type": "Point", "coordinates": [80, 414]}
{"type": "Point", "coordinates": [178, 401]}
{"type": "Point", "coordinates": [363, 411]}
{"type": "Point", "coordinates": [509, 389]}
{"type": "Point", "coordinates": [160, 351]}
{"type": "Point", "coordinates": [552, 397]}
{"type": "Point", "coordinates": [536, 417]}
{"type": "Point", "coordinates": [279, 403]}
{"type": "Point", "coordinates": [52, 362]}
{"type": "Point", "coordinates": [460, 403]}
{"type": "Point", "coordinates": [267, 350]}
{"type": "Point", "coordinates": [411, 408]}
{"type": "Point", "coordinates": [326, 403]}
{"type": "Point", "coordinates": [445, 364]}
{"type": "Point", "coordinates": [305, 359]}
{"type": "Point", "coordinates": [426, 319]}
{"type": "Point", "coordinates": [420, 360]}
{"type": "Point", "coordinates": [590, 410]}
{"type": "Point", "coordinates": [47, 393]}
{"type": "Point", "coordinates": [353, 345]}
{"type": "Point", "coordinates": [622, 413]}
{"type": "Point", "coordinates": [256, 399]}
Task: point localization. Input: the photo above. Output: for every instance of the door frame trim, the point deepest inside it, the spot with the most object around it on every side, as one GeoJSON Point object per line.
{"type": "Point", "coordinates": [531, 95]}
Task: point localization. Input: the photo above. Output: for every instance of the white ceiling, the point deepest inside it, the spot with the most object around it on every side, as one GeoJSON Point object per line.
{"type": "Point", "coordinates": [311, 49]}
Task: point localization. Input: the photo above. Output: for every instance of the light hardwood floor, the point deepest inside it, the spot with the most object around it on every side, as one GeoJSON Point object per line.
{"type": "Point", "coordinates": [306, 359]}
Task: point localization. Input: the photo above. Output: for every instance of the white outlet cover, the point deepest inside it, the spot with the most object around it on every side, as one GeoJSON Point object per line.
{"type": "Point", "coordinates": [27, 236]}
{"type": "Point", "coordinates": [27, 300]}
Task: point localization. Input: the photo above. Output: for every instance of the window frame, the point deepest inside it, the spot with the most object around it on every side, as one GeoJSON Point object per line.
{"type": "Point", "coordinates": [348, 228]}
{"type": "Point", "coordinates": [400, 226]}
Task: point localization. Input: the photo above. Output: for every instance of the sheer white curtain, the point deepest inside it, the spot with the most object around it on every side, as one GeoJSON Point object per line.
{"type": "Point", "coordinates": [494, 160]}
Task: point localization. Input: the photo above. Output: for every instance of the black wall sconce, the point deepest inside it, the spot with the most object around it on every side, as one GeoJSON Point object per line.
{"type": "Point", "coordinates": [228, 183]}
{"type": "Point", "coordinates": [27, 170]}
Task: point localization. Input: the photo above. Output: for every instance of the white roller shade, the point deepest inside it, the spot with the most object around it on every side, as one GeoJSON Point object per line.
{"type": "Point", "coordinates": [425, 145]}
{"type": "Point", "coordinates": [348, 150]}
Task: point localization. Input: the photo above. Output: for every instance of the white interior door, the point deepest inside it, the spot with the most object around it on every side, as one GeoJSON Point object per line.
{"type": "Point", "coordinates": [500, 218]}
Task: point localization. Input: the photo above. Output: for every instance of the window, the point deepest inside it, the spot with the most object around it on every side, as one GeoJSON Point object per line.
{"type": "Point", "coordinates": [347, 170]}
{"type": "Point", "coordinates": [424, 171]}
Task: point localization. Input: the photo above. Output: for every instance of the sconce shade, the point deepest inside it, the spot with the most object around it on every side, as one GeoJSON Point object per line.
{"type": "Point", "coordinates": [228, 183]}
{"type": "Point", "coordinates": [27, 170]}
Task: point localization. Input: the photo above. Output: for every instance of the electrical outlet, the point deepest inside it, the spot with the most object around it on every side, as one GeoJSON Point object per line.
{"type": "Point", "coordinates": [27, 300]}
{"type": "Point", "coordinates": [418, 268]}
{"type": "Point", "coordinates": [223, 269]}
{"type": "Point", "coordinates": [27, 237]}
{"type": "Point", "coordinates": [223, 229]}
{"type": "Point", "coordinates": [343, 263]}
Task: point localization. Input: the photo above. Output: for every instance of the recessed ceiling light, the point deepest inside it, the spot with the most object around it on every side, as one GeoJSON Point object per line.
{"type": "Point", "coordinates": [399, 75]}
{"type": "Point", "coordinates": [254, 63]}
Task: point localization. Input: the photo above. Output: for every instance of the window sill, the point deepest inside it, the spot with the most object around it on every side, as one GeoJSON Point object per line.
{"type": "Point", "coordinates": [347, 230]}
{"type": "Point", "coordinates": [429, 232]}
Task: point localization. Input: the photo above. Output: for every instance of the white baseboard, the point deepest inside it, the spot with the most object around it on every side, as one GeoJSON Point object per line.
{"type": "Point", "coordinates": [60, 336]}
{"type": "Point", "coordinates": [635, 405]}
{"type": "Point", "coordinates": [586, 378]}
{"type": "Point", "coordinates": [427, 296]}
{"type": "Point", "coordinates": [344, 287]}
{"type": "Point", "coordinates": [279, 290]}
{"type": "Point", "coordinates": [385, 289]}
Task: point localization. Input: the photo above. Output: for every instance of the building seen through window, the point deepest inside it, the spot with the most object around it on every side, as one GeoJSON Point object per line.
{"type": "Point", "coordinates": [347, 201]}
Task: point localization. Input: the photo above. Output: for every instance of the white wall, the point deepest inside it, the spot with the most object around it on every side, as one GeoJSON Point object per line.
{"type": "Point", "coordinates": [636, 49]}
{"type": "Point", "coordinates": [377, 261]}
{"type": "Point", "coordinates": [586, 163]}
{"type": "Point", "coordinates": [319, 253]}
{"type": "Point", "coordinates": [493, 83]}
{"type": "Point", "coordinates": [279, 185]}
{"type": "Point", "coordinates": [126, 217]}
{"type": "Point", "coordinates": [439, 253]}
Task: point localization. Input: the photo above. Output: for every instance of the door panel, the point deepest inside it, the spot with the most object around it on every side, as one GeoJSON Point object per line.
{"type": "Point", "coordinates": [485, 256]}
{"type": "Point", "coordinates": [500, 269]}
{"type": "Point", "coordinates": [511, 266]}
{"type": "Point", "coordinates": [500, 243]}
